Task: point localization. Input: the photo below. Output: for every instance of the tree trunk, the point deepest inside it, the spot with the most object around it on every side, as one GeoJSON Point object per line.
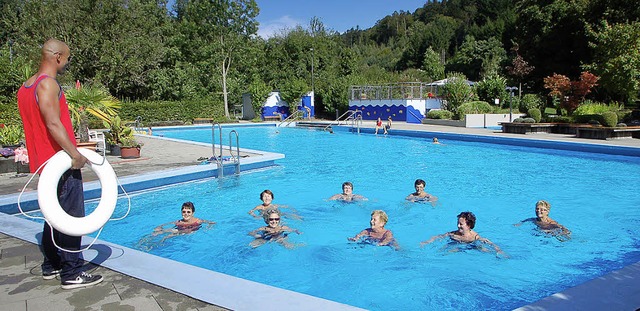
{"type": "Point", "coordinates": [83, 128]}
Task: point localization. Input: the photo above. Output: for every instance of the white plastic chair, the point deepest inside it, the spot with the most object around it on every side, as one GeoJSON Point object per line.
{"type": "Point", "coordinates": [98, 137]}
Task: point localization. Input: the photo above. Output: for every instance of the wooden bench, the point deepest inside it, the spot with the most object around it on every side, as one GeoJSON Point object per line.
{"type": "Point", "coordinates": [202, 120]}
{"type": "Point", "coordinates": [608, 132]}
{"type": "Point", "coordinates": [273, 118]}
{"type": "Point", "coordinates": [527, 128]}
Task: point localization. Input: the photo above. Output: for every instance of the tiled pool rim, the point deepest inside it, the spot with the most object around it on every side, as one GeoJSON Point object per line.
{"type": "Point", "coordinates": [239, 294]}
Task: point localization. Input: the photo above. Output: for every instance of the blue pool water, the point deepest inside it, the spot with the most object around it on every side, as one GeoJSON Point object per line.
{"type": "Point", "coordinates": [594, 195]}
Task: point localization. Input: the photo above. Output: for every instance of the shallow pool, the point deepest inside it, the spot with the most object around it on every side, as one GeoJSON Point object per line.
{"type": "Point", "coordinates": [593, 195]}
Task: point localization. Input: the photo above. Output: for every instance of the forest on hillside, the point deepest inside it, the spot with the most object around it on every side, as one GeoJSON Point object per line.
{"type": "Point", "coordinates": [143, 50]}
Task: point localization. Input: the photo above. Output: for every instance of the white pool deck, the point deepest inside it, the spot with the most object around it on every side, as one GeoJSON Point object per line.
{"type": "Point", "coordinates": [618, 290]}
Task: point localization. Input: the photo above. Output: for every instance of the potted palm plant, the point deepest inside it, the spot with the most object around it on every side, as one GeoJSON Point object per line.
{"type": "Point", "coordinates": [117, 132]}
{"type": "Point", "coordinates": [129, 147]}
{"type": "Point", "coordinates": [88, 101]}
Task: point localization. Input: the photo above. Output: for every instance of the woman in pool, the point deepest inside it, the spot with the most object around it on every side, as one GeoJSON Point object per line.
{"type": "Point", "coordinates": [274, 231]}
{"type": "Point", "coordinates": [347, 194]}
{"type": "Point", "coordinates": [188, 224]}
{"type": "Point", "coordinates": [546, 224]}
{"type": "Point", "coordinates": [267, 198]}
{"type": "Point", "coordinates": [420, 195]}
{"type": "Point", "coordinates": [465, 233]}
{"type": "Point", "coordinates": [377, 234]}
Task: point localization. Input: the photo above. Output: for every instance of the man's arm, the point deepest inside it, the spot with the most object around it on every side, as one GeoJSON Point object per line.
{"type": "Point", "coordinates": [48, 92]}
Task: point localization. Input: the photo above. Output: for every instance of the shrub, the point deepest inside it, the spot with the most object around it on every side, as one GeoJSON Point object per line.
{"type": "Point", "coordinates": [491, 88]}
{"type": "Point", "coordinates": [440, 114]}
{"type": "Point", "coordinates": [473, 107]}
{"type": "Point", "coordinates": [528, 120]}
{"type": "Point", "coordinates": [589, 107]}
{"type": "Point", "coordinates": [621, 125]}
{"type": "Point", "coordinates": [535, 114]}
{"type": "Point", "coordinates": [530, 101]}
{"type": "Point", "coordinates": [562, 119]}
{"type": "Point", "coordinates": [11, 135]}
{"type": "Point", "coordinates": [518, 120]}
{"type": "Point", "coordinates": [185, 110]}
{"type": "Point", "coordinates": [610, 118]}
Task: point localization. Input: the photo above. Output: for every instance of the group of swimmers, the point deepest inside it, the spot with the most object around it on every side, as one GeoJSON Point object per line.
{"type": "Point", "coordinates": [376, 234]}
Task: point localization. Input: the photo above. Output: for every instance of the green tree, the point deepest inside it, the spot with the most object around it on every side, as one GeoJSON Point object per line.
{"type": "Point", "coordinates": [491, 88]}
{"type": "Point", "coordinates": [457, 92]}
{"type": "Point", "coordinates": [217, 33]}
{"type": "Point", "coordinates": [477, 59]}
{"type": "Point", "coordinates": [432, 65]}
{"type": "Point", "coordinates": [617, 59]}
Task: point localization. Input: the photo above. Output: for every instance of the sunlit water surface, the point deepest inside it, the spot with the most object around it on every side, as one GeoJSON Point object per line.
{"type": "Point", "coordinates": [594, 195]}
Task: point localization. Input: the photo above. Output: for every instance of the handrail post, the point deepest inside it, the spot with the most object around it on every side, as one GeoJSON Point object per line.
{"type": "Point", "coordinates": [213, 148]}
{"type": "Point", "coordinates": [236, 158]}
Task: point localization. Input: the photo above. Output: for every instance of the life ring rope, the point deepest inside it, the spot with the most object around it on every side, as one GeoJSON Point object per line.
{"type": "Point", "coordinates": [89, 154]}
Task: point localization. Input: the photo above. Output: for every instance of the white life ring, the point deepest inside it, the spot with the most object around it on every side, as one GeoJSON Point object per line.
{"type": "Point", "coordinates": [48, 194]}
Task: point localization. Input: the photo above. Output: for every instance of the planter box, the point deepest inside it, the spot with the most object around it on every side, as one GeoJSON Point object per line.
{"type": "Point", "coordinates": [8, 165]}
{"type": "Point", "coordinates": [129, 152]}
{"type": "Point", "coordinates": [527, 128]}
{"type": "Point", "coordinates": [457, 123]}
{"type": "Point", "coordinates": [608, 132]}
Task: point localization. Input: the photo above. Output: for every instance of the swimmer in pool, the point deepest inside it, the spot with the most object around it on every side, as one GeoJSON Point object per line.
{"type": "Point", "coordinates": [546, 224]}
{"type": "Point", "coordinates": [377, 234]}
{"type": "Point", "coordinates": [274, 231]}
{"type": "Point", "coordinates": [188, 224]}
{"type": "Point", "coordinates": [267, 198]}
{"type": "Point", "coordinates": [435, 141]}
{"type": "Point", "coordinates": [465, 233]}
{"type": "Point", "coordinates": [347, 194]}
{"type": "Point", "coordinates": [420, 195]}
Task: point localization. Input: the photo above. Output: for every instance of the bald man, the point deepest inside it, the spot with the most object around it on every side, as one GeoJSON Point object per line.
{"type": "Point", "coordinates": [47, 127]}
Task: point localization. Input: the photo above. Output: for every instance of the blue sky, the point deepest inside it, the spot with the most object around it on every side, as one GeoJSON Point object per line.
{"type": "Point", "coordinates": [338, 15]}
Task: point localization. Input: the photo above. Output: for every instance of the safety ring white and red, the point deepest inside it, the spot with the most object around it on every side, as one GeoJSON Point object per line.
{"type": "Point", "coordinates": [48, 194]}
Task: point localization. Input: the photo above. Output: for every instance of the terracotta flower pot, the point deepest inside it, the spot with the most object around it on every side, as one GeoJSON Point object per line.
{"type": "Point", "coordinates": [129, 152]}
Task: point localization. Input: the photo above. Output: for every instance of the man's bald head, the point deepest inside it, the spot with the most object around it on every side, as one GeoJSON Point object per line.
{"type": "Point", "coordinates": [56, 53]}
{"type": "Point", "coordinates": [55, 46]}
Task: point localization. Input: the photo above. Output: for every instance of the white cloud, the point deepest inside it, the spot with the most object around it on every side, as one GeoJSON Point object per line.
{"type": "Point", "coordinates": [274, 27]}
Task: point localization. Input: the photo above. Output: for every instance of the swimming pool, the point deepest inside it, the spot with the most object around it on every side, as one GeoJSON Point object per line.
{"type": "Point", "coordinates": [593, 195]}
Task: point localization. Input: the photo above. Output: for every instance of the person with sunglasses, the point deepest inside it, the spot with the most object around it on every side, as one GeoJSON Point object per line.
{"type": "Point", "coordinates": [547, 225]}
{"type": "Point", "coordinates": [48, 129]}
{"type": "Point", "coordinates": [274, 231]}
{"type": "Point", "coordinates": [186, 225]}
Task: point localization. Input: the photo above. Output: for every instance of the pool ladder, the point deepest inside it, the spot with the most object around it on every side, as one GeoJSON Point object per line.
{"type": "Point", "coordinates": [235, 157]}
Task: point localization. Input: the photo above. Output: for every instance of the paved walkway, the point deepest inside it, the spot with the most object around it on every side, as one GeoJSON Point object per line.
{"type": "Point", "coordinates": [21, 284]}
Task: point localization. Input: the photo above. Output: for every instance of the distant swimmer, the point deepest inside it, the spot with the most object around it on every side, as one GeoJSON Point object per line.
{"type": "Point", "coordinates": [420, 195]}
{"type": "Point", "coordinates": [546, 224]}
{"type": "Point", "coordinates": [465, 233]}
{"type": "Point", "coordinates": [347, 194]}
{"type": "Point", "coordinates": [273, 232]}
{"type": "Point", "coordinates": [377, 234]}
{"type": "Point", "coordinates": [435, 141]}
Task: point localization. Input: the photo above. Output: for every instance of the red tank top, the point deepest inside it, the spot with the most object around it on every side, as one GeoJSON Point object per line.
{"type": "Point", "coordinates": [40, 144]}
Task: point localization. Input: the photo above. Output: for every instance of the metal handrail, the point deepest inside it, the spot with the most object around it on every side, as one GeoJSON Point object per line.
{"type": "Point", "coordinates": [216, 157]}
{"type": "Point", "coordinates": [357, 121]}
{"type": "Point", "coordinates": [350, 112]}
{"type": "Point", "coordinates": [294, 116]}
{"type": "Point", "coordinates": [235, 158]}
